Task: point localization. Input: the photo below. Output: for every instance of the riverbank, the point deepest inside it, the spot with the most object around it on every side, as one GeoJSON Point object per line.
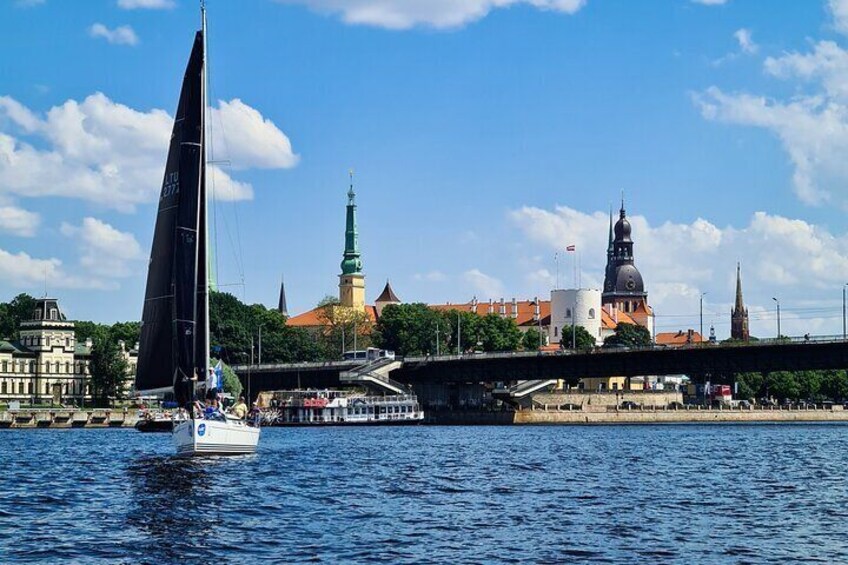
{"type": "Point", "coordinates": [67, 418]}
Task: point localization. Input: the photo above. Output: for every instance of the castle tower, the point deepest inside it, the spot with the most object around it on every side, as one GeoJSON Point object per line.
{"type": "Point", "coordinates": [351, 281]}
{"type": "Point", "coordinates": [623, 286]}
{"type": "Point", "coordinates": [739, 314]}
{"type": "Point", "coordinates": [387, 297]}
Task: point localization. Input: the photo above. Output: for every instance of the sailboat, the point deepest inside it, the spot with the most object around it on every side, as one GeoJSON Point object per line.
{"type": "Point", "coordinates": [174, 346]}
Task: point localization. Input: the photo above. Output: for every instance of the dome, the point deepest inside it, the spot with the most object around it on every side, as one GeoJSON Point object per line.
{"type": "Point", "coordinates": [622, 229]}
{"type": "Point", "coordinates": [629, 279]}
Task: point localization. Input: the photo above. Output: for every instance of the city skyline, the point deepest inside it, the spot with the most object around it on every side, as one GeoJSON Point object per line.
{"type": "Point", "coordinates": [484, 140]}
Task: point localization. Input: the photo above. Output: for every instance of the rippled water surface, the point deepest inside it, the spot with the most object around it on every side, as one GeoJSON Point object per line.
{"type": "Point", "coordinates": [651, 494]}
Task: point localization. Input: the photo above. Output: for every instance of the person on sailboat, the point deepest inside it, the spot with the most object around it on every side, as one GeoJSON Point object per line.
{"type": "Point", "coordinates": [239, 409]}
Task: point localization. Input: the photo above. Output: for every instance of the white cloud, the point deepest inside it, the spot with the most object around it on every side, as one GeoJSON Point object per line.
{"type": "Point", "coordinates": [797, 261]}
{"type": "Point", "coordinates": [746, 42]}
{"type": "Point", "coordinates": [710, 2]}
{"type": "Point", "coordinates": [812, 125]}
{"type": "Point", "coordinates": [251, 140]}
{"type": "Point", "coordinates": [432, 276]}
{"type": "Point", "coordinates": [24, 271]}
{"type": "Point", "coordinates": [107, 153]}
{"type": "Point", "coordinates": [394, 14]}
{"type": "Point", "coordinates": [104, 250]}
{"type": "Point", "coordinates": [121, 35]}
{"type": "Point", "coordinates": [18, 221]}
{"type": "Point", "coordinates": [146, 4]}
{"type": "Point", "coordinates": [839, 11]}
{"type": "Point", "coordinates": [484, 285]}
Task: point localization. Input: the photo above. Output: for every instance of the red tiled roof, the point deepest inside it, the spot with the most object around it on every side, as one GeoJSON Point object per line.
{"type": "Point", "coordinates": [526, 310]}
{"type": "Point", "coordinates": [677, 338]}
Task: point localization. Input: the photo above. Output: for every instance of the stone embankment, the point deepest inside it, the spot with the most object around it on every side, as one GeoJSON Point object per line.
{"type": "Point", "coordinates": [557, 415]}
{"type": "Point", "coordinates": [64, 418]}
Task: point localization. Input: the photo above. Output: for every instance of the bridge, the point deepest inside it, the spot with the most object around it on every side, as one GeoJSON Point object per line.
{"type": "Point", "coordinates": [718, 361]}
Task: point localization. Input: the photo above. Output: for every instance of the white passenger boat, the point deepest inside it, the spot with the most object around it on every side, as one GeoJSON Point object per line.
{"type": "Point", "coordinates": [174, 347]}
{"type": "Point", "coordinates": [338, 408]}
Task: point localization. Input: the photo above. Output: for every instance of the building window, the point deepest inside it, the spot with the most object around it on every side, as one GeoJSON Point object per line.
{"type": "Point", "coordinates": [57, 368]}
{"type": "Point", "coordinates": [29, 388]}
{"type": "Point", "coordinates": [556, 331]}
{"type": "Point", "coordinates": [568, 312]}
{"type": "Point", "coordinates": [32, 366]}
{"type": "Point", "coordinates": [68, 367]}
{"type": "Point", "coordinates": [4, 387]}
{"type": "Point", "coordinates": [591, 313]}
{"type": "Point", "coordinates": [54, 314]}
{"type": "Point", "coordinates": [5, 366]}
{"type": "Point", "coordinates": [21, 387]}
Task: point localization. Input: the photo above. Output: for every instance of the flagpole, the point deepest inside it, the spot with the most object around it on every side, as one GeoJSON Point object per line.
{"type": "Point", "coordinates": [556, 260]}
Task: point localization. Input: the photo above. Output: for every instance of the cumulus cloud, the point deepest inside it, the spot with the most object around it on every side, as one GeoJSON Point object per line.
{"type": "Point", "coordinates": [146, 4]}
{"type": "Point", "coordinates": [797, 261]}
{"type": "Point", "coordinates": [121, 35]}
{"type": "Point", "coordinates": [104, 152]}
{"type": "Point", "coordinates": [104, 250]}
{"type": "Point", "coordinates": [428, 13]}
{"type": "Point", "coordinates": [18, 221]}
{"type": "Point", "coordinates": [812, 125]}
{"type": "Point", "coordinates": [485, 286]}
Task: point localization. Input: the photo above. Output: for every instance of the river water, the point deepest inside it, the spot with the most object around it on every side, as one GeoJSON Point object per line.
{"type": "Point", "coordinates": [544, 494]}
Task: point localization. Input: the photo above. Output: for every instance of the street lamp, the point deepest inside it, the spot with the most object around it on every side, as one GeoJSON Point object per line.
{"type": "Point", "coordinates": [844, 329]}
{"type": "Point", "coordinates": [703, 294]}
{"type": "Point", "coordinates": [778, 316]}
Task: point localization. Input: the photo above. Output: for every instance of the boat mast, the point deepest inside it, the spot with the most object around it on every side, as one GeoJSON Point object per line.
{"type": "Point", "coordinates": [203, 86]}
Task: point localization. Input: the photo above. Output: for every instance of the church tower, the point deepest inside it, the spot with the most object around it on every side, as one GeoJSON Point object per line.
{"type": "Point", "coordinates": [623, 286]}
{"type": "Point", "coordinates": [351, 281]}
{"type": "Point", "coordinates": [739, 314]}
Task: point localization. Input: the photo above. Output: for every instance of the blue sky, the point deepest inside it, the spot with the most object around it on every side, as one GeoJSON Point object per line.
{"type": "Point", "coordinates": [486, 136]}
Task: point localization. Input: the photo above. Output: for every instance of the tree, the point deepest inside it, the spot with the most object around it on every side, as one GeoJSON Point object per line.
{"type": "Point", "coordinates": [84, 330]}
{"type": "Point", "coordinates": [108, 370]}
{"type": "Point", "coordinates": [532, 340]}
{"type": "Point", "coordinates": [410, 329]}
{"type": "Point", "coordinates": [582, 338]}
{"type": "Point", "coordinates": [498, 333]}
{"type": "Point", "coordinates": [14, 312]}
{"type": "Point", "coordinates": [128, 332]}
{"type": "Point", "coordinates": [629, 335]}
{"type": "Point", "coordinates": [834, 385]}
{"type": "Point", "coordinates": [782, 385]}
{"type": "Point", "coordinates": [749, 385]}
{"type": "Point", "coordinates": [468, 332]}
{"type": "Point", "coordinates": [338, 326]}
{"type": "Point", "coordinates": [232, 384]}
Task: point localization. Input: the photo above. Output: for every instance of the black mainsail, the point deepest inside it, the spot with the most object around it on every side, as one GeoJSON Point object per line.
{"type": "Point", "coordinates": [174, 335]}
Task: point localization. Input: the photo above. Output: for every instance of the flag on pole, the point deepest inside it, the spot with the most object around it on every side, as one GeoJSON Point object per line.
{"type": "Point", "coordinates": [571, 248]}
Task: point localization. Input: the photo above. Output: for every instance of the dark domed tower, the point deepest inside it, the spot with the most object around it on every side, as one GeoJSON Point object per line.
{"type": "Point", "coordinates": [623, 286]}
{"type": "Point", "coordinates": [739, 314]}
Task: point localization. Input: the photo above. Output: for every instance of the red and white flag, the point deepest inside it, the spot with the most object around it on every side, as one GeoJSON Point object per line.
{"type": "Point", "coordinates": [571, 248]}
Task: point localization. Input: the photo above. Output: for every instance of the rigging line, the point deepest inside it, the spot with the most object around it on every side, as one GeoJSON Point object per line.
{"type": "Point", "coordinates": [236, 246]}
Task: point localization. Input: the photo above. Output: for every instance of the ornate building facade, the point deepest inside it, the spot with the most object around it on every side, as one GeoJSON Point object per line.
{"type": "Point", "coordinates": [46, 364]}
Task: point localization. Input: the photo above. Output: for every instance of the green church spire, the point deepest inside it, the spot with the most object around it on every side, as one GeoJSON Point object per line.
{"type": "Point", "coordinates": [351, 264]}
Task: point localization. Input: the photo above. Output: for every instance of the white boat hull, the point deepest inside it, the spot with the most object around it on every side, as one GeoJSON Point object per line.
{"type": "Point", "coordinates": [214, 437]}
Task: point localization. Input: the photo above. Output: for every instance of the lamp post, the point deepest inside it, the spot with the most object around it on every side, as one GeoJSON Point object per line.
{"type": "Point", "coordinates": [703, 294]}
{"type": "Point", "coordinates": [778, 316]}
{"type": "Point", "coordinates": [458, 333]}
